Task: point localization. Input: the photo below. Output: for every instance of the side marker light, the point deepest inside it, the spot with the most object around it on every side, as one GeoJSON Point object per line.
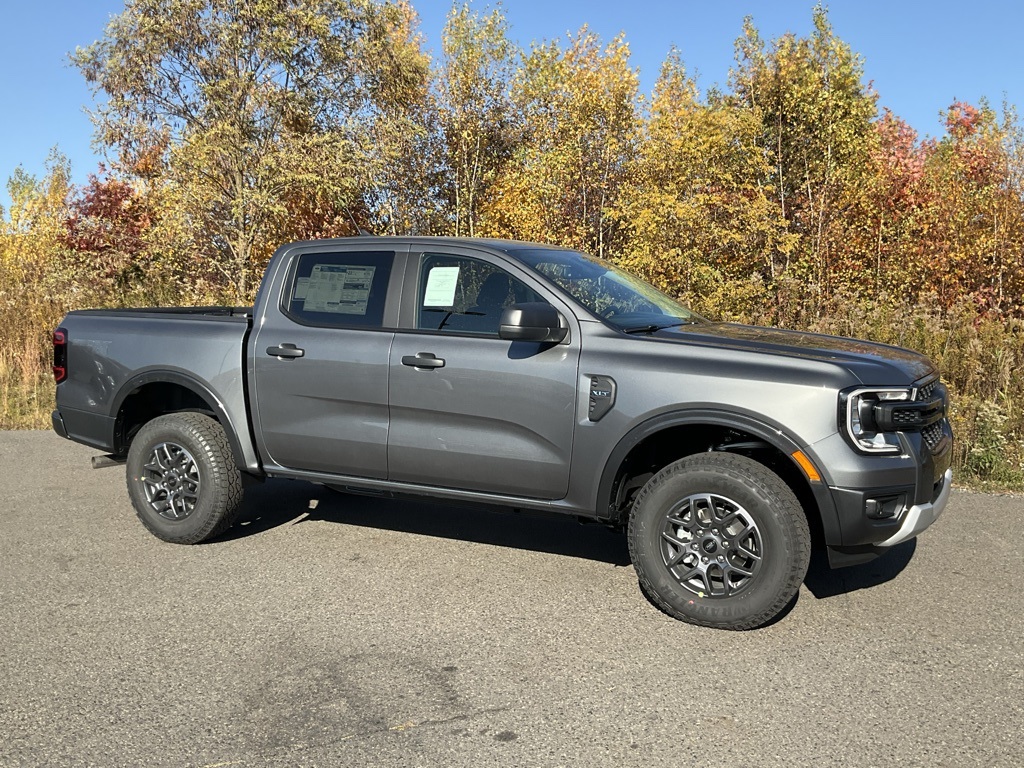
{"type": "Point", "coordinates": [806, 466]}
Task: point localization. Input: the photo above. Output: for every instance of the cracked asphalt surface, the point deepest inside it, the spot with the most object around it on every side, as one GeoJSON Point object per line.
{"type": "Point", "coordinates": [371, 632]}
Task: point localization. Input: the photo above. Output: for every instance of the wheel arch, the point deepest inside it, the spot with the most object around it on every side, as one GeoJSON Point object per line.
{"type": "Point", "coordinates": [698, 429]}
{"type": "Point", "coordinates": [156, 393]}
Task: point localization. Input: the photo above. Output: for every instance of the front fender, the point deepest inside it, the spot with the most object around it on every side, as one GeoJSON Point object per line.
{"type": "Point", "coordinates": [762, 428]}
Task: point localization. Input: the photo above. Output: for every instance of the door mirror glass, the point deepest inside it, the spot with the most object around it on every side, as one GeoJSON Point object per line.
{"type": "Point", "coordinates": [532, 321]}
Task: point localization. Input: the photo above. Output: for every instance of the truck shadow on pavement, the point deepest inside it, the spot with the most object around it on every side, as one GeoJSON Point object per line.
{"type": "Point", "coordinates": [283, 502]}
{"type": "Point", "coordinates": [824, 582]}
{"type": "Point", "coordinates": [277, 503]}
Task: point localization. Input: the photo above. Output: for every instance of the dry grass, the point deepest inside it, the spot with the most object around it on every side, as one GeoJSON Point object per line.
{"type": "Point", "coordinates": [26, 352]}
{"type": "Point", "coordinates": [26, 390]}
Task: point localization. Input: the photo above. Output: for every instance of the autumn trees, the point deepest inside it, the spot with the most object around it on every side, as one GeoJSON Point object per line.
{"type": "Point", "coordinates": [231, 127]}
{"type": "Point", "coordinates": [695, 212]}
{"type": "Point", "coordinates": [578, 106]}
{"type": "Point", "coordinates": [242, 109]}
{"type": "Point", "coordinates": [478, 124]}
{"type": "Point", "coordinates": [242, 125]}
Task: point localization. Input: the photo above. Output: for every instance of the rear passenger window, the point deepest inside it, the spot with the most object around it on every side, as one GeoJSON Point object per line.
{"type": "Point", "coordinates": [340, 289]}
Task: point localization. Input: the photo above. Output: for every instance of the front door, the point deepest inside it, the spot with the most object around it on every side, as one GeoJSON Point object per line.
{"type": "Point", "coordinates": [468, 409]}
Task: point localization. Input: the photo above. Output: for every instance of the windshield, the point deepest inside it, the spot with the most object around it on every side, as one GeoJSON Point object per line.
{"type": "Point", "coordinates": [624, 301]}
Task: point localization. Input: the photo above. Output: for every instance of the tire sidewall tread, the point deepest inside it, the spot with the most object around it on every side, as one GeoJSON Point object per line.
{"type": "Point", "coordinates": [780, 519]}
{"type": "Point", "coordinates": [221, 482]}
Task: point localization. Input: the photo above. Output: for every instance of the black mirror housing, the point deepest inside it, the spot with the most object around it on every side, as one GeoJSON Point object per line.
{"type": "Point", "coordinates": [532, 321]}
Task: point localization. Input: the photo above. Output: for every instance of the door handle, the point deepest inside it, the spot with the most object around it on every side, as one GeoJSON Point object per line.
{"type": "Point", "coordinates": [423, 360]}
{"type": "Point", "coordinates": [286, 350]}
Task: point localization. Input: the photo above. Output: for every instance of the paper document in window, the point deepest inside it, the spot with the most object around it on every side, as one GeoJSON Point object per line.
{"type": "Point", "coordinates": [441, 284]}
{"type": "Point", "coordinates": [339, 288]}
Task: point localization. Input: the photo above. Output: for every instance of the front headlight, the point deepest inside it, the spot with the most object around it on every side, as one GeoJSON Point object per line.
{"type": "Point", "coordinates": [859, 415]}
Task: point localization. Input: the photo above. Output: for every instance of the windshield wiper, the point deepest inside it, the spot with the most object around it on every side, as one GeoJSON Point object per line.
{"type": "Point", "coordinates": [653, 327]}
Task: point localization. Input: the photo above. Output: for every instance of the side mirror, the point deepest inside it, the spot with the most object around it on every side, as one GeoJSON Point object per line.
{"type": "Point", "coordinates": [532, 321]}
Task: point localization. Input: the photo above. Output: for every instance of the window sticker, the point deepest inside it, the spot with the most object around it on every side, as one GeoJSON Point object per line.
{"type": "Point", "coordinates": [301, 288]}
{"type": "Point", "coordinates": [441, 284]}
{"type": "Point", "coordinates": [338, 288]}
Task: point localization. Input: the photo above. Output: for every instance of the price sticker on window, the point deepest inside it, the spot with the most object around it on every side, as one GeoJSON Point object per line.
{"type": "Point", "coordinates": [441, 284]}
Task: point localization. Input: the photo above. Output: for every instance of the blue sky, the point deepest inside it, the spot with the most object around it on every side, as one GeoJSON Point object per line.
{"type": "Point", "coordinates": [920, 56]}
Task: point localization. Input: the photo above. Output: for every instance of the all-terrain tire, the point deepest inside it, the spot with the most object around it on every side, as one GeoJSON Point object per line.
{"type": "Point", "coordinates": [719, 540]}
{"type": "Point", "coordinates": [182, 478]}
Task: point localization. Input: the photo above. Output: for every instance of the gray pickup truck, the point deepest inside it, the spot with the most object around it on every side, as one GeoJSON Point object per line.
{"type": "Point", "coordinates": [523, 376]}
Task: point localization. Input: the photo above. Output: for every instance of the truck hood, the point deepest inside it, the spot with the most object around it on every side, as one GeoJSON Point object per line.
{"type": "Point", "coordinates": [871, 363]}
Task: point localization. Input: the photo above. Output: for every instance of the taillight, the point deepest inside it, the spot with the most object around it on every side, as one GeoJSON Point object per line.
{"type": "Point", "coordinates": [60, 355]}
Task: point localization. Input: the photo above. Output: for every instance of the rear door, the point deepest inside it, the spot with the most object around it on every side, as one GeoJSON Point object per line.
{"type": "Point", "coordinates": [320, 360]}
{"type": "Point", "coordinates": [470, 410]}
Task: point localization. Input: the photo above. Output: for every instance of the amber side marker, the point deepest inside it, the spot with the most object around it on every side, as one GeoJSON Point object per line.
{"type": "Point", "coordinates": [806, 466]}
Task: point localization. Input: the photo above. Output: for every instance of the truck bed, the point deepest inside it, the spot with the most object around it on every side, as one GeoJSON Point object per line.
{"type": "Point", "coordinates": [193, 313]}
{"type": "Point", "coordinates": [115, 353]}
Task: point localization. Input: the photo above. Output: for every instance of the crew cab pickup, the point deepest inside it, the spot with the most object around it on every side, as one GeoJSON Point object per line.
{"type": "Point", "coordinates": [524, 376]}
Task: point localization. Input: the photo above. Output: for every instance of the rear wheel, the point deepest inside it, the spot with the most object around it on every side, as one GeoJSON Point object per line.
{"type": "Point", "coordinates": [182, 479]}
{"type": "Point", "coordinates": [719, 540]}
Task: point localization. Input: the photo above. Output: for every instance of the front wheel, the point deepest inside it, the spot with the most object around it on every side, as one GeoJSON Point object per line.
{"type": "Point", "coordinates": [182, 478]}
{"type": "Point", "coordinates": [719, 540]}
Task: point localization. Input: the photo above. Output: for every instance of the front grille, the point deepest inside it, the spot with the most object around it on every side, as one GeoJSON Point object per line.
{"type": "Point", "coordinates": [904, 418]}
{"type": "Point", "coordinates": [932, 435]}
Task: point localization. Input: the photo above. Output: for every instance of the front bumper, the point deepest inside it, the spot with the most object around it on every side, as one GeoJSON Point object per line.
{"type": "Point", "coordinates": [873, 503]}
{"type": "Point", "coordinates": [920, 516]}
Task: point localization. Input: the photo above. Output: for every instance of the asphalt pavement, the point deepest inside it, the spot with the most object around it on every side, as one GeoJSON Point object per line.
{"type": "Point", "coordinates": [331, 630]}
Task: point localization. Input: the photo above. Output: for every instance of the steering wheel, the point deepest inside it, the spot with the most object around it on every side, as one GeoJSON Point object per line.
{"type": "Point", "coordinates": [611, 310]}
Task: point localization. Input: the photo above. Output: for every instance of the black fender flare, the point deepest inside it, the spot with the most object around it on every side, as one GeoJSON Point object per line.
{"type": "Point", "coordinates": [764, 429]}
{"type": "Point", "coordinates": [193, 385]}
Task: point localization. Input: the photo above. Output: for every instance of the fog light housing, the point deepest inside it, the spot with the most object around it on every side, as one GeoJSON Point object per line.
{"type": "Point", "coordinates": [885, 507]}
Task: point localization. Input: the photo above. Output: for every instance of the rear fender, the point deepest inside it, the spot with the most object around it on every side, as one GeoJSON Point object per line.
{"type": "Point", "coordinates": [240, 440]}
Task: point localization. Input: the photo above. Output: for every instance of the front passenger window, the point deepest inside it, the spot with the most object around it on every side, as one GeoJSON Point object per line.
{"type": "Point", "coordinates": [463, 295]}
